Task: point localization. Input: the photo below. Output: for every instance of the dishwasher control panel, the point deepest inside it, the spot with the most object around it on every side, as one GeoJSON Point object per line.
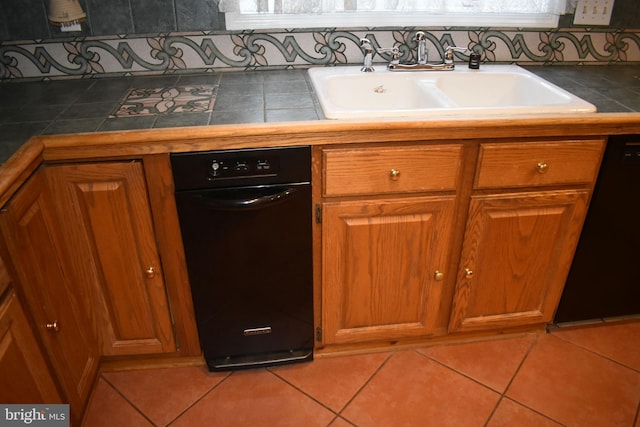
{"type": "Point", "coordinates": [252, 166]}
{"type": "Point", "coordinates": [244, 167]}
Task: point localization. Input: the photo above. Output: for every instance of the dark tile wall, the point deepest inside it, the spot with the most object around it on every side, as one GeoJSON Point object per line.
{"type": "Point", "coordinates": [626, 14]}
{"type": "Point", "coordinates": [153, 16]}
{"type": "Point", "coordinates": [108, 17]}
{"type": "Point", "coordinates": [27, 19]}
{"type": "Point", "coordinates": [24, 19]}
{"type": "Point", "coordinates": [4, 31]}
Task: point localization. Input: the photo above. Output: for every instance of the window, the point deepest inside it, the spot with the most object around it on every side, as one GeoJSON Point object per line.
{"type": "Point", "coordinates": [254, 14]}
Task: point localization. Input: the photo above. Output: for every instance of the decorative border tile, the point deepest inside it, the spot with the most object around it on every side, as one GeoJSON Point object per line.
{"type": "Point", "coordinates": [155, 101]}
{"type": "Point", "coordinates": [249, 50]}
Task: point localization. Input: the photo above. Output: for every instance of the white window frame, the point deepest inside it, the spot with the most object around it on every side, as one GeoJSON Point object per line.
{"type": "Point", "coordinates": [238, 21]}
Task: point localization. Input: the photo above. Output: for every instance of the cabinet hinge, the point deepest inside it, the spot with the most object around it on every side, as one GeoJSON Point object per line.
{"type": "Point", "coordinates": [319, 334]}
{"type": "Point", "coordinates": [318, 213]}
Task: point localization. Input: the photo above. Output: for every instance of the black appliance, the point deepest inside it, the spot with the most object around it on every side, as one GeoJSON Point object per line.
{"type": "Point", "coordinates": [246, 223]}
{"type": "Point", "coordinates": [603, 281]}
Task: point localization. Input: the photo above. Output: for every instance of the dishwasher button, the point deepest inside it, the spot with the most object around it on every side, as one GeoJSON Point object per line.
{"type": "Point", "coordinates": [215, 169]}
{"type": "Point", "coordinates": [241, 166]}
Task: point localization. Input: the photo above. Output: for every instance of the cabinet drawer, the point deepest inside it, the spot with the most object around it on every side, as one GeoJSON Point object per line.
{"type": "Point", "coordinates": [391, 169]}
{"type": "Point", "coordinates": [538, 163]}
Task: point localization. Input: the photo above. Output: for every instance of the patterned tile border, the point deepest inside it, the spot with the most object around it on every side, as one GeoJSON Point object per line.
{"type": "Point", "coordinates": [154, 101]}
{"type": "Point", "coordinates": [211, 51]}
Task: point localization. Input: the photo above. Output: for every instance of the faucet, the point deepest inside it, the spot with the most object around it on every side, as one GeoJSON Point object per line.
{"type": "Point", "coordinates": [368, 55]}
{"type": "Point", "coordinates": [422, 55]}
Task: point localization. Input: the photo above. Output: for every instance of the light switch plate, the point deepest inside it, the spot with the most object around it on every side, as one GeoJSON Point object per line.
{"type": "Point", "coordinates": [593, 12]}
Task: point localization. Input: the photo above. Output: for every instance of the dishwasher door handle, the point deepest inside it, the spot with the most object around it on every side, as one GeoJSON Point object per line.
{"type": "Point", "coordinates": [250, 202]}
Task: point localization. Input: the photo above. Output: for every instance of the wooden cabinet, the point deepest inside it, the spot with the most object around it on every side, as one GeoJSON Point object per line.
{"type": "Point", "coordinates": [384, 260]}
{"type": "Point", "coordinates": [518, 246]}
{"type": "Point", "coordinates": [24, 373]}
{"type": "Point", "coordinates": [384, 264]}
{"type": "Point", "coordinates": [36, 246]}
{"type": "Point", "coordinates": [104, 212]}
{"type": "Point", "coordinates": [394, 218]}
{"type": "Point", "coordinates": [516, 255]}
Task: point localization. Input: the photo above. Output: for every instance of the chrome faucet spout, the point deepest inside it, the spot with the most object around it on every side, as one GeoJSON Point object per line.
{"type": "Point", "coordinates": [422, 53]}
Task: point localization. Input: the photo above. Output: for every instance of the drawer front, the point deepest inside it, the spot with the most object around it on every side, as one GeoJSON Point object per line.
{"type": "Point", "coordinates": [391, 169]}
{"type": "Point", "coordinates": [538, 163]}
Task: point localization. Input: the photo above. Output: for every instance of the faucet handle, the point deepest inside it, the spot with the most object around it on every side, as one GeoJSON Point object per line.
{"type": "Point", "coordinates": [395, 53]}
{"type": "Point", "coordinates": [448, 53]}
{"type": "Point", "coordinates": [368, 55]}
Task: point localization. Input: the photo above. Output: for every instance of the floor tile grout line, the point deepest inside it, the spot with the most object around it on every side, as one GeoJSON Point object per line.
{"type": "Point", "coordinates": [300, 390]}
{"type": "Point", "coordinates": [457, 372]}
{"type": "Point", "coordinates": [371, 377]}
{"type": "Point", "coordinates": [338, 413]}
{"type": "Point", "coordinates": [467, 376]}
{"type": "Point", "coordinates": [515, 374]}
{"type": "Point", "coordinates": [524, 358]}
{"type": "Point", "coordinates": [534, 343]}
{"type": "Point", "coordinates": [502, 394]}
{"type": "Point", "coordinates": [198, 400]}
{"type": "Point", "coordinates": [594, 352]}
{"type": "Point", "coordinates": [134, 406]}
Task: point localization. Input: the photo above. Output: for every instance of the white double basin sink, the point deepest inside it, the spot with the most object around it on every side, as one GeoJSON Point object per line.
{"type": "Point", "coordinates": [493, 90]}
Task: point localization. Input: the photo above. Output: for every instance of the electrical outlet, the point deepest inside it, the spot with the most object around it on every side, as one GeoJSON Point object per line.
{"type": "Point", "coordinates": [593, 12]}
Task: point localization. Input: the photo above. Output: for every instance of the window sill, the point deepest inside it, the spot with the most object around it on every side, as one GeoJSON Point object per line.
{"type": "Point", "coordinates": [237, 21]}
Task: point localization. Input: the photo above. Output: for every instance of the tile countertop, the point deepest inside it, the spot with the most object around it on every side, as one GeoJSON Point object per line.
{"type": "Point", "coordinates": [87, 105]}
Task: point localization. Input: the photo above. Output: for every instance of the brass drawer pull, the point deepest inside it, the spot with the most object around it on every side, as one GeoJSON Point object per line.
{"type": "Point", "coordinates": [150, 272]}
{"type": "Point", "coordinates": [394, 174]}
{"type": "Point", "coordinates": [468, 273]}
{"type": "Point", "coordinates": [542, 167]}
{"type": "Point", "coordinates": [438, 275]}
{"type": "Point", "coordinates": [53, 326]}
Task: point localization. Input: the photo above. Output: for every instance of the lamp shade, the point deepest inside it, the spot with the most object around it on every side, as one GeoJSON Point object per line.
{"type": "Point", "coordinates": [65, 12]}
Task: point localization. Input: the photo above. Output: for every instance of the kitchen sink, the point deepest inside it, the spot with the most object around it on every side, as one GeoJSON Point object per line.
{"type": "Point", "coordinates": [348, 93]}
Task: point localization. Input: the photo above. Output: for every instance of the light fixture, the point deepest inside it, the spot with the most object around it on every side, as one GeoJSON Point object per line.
{"type": "Point", "coordinates": [65, 13]}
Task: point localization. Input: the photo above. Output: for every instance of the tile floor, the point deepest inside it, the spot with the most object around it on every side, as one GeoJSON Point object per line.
{"type": "Point", "coordinates": [587, 376]}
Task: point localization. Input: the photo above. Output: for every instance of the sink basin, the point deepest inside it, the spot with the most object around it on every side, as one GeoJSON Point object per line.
{"type": "Point", "coordinates": [348, 93]}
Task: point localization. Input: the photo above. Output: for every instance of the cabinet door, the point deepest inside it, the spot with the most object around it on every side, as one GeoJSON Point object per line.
{"type": "Point", "coordinates": [515, 258]}
{"type": "Point", "coordinates": [383, 267]}
{"type": "Point", "coordinates": [24, 375]}
{"type": "Point", "coordinates": [104, 211]}
{"type": "Point", "coordinates": [34, 242]}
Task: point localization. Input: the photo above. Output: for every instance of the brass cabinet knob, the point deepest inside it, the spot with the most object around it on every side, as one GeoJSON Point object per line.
{"type": "Point", "coordinates": [394, 174]}
{"type": "Point", "coordinates": [468, 273]}
{"type": "Point", "coordinates": [438, 275]}
{"type": "Point", "coordinates": [53, 326]}
{"type": "Point", "coordinates": [151, 273]}
{"type": "Point", "coordinates": [542, 167]}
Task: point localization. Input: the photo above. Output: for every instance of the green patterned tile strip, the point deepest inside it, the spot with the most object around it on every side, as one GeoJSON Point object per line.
{"type": "Point", "coordinates": [205, 51]}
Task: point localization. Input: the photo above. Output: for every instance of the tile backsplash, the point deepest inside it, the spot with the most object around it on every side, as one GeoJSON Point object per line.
{"type": "Point", "coordinates": [207, 51]}
{"type": "Point", "coordinates": [127, 37]}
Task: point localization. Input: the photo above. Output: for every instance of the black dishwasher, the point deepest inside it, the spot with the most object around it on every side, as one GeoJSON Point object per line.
{"type": "Point", "coordinates": [246, 223]}
{"type": "Point", "coordinates": [603, 280]}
